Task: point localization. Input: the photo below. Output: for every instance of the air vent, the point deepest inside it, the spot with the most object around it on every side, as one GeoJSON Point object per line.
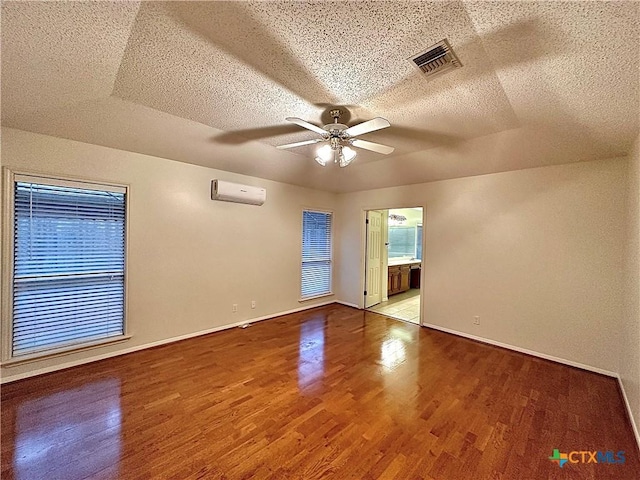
{"type": "Point", "coordinates": [439, 58]}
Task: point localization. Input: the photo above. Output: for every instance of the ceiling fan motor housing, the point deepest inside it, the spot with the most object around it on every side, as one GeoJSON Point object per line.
{"type": "Point", "coordinates": [335, 134]}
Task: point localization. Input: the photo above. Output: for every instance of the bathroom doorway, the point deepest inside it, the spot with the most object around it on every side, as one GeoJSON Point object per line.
{"type": "Point", "coordinates": [394, 262]}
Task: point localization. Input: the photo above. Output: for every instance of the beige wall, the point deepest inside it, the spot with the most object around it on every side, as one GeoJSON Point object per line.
{"type": "Point", "coordinates": [537, 254]}
{"type": "Point", "coordinates": [190, 258]}
{"type": "Point", "coordinates": [630, 339]}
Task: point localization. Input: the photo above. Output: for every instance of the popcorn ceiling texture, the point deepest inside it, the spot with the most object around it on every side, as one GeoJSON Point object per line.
{"type": "Point", "coordinates": [210, 83]}
{"type": "Point", "coordinates": [60, 53]}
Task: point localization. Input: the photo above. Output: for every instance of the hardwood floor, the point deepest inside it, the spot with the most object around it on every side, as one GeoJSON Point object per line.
{"type": "Point", "coordinates": [331, 393]}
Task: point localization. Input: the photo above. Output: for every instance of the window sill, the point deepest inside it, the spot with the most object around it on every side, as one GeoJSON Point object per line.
{"type": "Point", "coordinates": [306, 299]}
{"type": "Point", "coordinates": [58, 352]}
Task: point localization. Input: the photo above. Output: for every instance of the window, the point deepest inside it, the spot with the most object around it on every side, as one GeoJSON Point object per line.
{"type": "Point", "coordinates": [316, 254]}
{"type": "Point", "coordinates": [405, 241]}
{"type": "Point", "coordinates": [68, 264]}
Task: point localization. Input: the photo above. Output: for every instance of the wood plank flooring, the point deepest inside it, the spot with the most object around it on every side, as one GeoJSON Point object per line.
{"type": "Point", "coordinates": [330, 393]}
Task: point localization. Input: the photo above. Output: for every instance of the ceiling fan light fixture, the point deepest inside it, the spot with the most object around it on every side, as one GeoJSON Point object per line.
{"type": "Point", "coordinates": [347, 155]}
{"type": "Point", "coordinates": [324, 154]}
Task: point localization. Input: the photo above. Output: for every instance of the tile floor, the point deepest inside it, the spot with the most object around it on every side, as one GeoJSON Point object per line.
{"type": "Point", "coordinates": [405, 306]}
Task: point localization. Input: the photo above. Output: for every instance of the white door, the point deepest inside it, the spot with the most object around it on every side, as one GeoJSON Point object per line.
{"type": "Point", "coordinates": [373, 260]}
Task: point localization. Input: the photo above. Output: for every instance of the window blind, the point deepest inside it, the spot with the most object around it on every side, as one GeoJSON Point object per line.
{"type": "Point", "coordinates": [402, 241]}
{"type": "Point", "coordinates": [316, 253]}
{"type": "Point", "coordinates": [69, 266]}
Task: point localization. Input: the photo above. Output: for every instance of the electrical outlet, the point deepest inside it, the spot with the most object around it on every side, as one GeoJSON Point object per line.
{"type": "Point", "coordinates": [253, 304]}
{"type": "Point", "coordinates": [234, 308]}
{"type": "Point", "coordinates": [476, 320]}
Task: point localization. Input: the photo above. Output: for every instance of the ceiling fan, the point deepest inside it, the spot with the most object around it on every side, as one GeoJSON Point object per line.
{"type": "Point", "coordinates": [340, 139]}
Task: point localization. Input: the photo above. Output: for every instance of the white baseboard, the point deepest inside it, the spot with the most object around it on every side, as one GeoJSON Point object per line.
{"type": "Point", "coordinates": [165, 341]}
{"type": "Point", "coordinates": [348, 304]}
{"type": "Point", "coordinates": [629, 411]}
{"type": "Point", "coordinates": [512, 347]}
{"type": "Point", "coordinates": [524, 350]}
{"type": "Point", "coordinates": [564, 361]}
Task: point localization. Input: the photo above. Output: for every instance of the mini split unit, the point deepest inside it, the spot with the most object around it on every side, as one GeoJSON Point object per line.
{"type": "Point", "coordinates": [234, 192]}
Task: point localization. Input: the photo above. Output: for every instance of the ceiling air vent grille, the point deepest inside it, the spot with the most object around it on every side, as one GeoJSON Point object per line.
{"type": "Point", "coordinates": [437, 59]}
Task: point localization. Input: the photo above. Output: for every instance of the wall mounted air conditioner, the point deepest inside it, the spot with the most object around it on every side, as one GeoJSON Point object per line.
{"type": "Point", "coordinates": [234, 192]}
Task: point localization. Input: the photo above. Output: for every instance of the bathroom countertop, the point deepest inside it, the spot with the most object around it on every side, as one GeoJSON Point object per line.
{"type": "Point", "coordinates": [400, 261]}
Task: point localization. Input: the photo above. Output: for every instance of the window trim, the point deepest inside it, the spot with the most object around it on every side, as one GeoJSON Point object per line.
{"type": "Point", "coordinates": [9, 177]}
{"type": "Point", "coordinates": [330, 292]}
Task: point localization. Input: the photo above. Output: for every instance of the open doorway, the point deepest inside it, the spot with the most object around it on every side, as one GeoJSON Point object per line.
{"type": "Point", "coordinates": [393, 262]}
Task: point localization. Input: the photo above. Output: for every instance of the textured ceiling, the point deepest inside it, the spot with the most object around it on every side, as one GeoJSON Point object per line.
{"type": "Point", "coordinates": [210, 83]}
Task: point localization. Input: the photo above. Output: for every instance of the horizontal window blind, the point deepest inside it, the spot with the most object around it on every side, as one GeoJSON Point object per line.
{"type": "Point", "coordinates": [69, 266]}
{"type": "Point", "coordinates": [402, 241]}
{"type": "Point", "coordinates": [316, 253]}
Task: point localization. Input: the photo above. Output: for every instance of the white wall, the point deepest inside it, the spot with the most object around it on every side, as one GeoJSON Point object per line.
{"type": "Point", "coordinates": [630, 335]}
{"type": "Point", "coordinates": [190, 258]}
{"type": "Point", "coordinates": [536, 253]}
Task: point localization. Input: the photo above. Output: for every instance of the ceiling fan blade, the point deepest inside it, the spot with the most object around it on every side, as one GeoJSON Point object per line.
{"type": "Point", "coordinates": [235, 137]}
{"type": "Point", "coordinates": [368, 126]}
{"type": "Point", "coordinates": [307, 125]}
{"type": "Point", "coordinates": [300, 144]}
{"type": "Point", "coordinates": [374, 147]}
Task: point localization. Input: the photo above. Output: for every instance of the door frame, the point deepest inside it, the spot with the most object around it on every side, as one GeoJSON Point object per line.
{"type": "Point", "coordinates": [363, 256]}
{"type": "Point", "coordinates": [381, 260]}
